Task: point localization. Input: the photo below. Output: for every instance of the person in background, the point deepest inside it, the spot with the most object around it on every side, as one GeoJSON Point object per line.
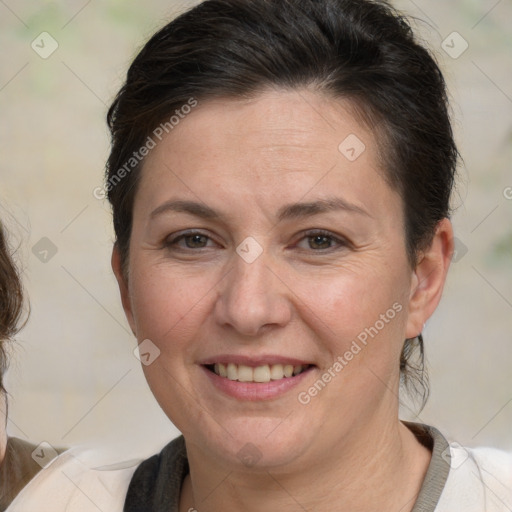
{"type": "Point", "coordinates": [17, 467]}
{"type": "Point", "coordinates": [57, 484]}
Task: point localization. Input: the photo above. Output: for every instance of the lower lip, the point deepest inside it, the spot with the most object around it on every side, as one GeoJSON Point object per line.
{"type": "Point", "coordinates": [254, 391]}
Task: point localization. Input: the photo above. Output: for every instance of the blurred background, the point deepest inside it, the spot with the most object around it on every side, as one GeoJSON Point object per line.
{"type": "Point", "coordinates": [73, 378]}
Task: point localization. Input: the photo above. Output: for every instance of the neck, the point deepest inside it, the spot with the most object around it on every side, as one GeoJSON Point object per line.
{"type": "Point", "coordinates": [373, 470]}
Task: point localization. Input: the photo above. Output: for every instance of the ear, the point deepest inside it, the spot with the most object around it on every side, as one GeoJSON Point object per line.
{"type": "Point", "coordinates": [429, 277]}
{"type": "Point", "coordinates": [123, 286]}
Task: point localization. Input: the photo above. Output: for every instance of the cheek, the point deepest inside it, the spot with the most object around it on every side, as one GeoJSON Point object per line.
{"type": "Point", "coordinates": [363, 327]}
{"type": "Point", "coordinates": [351, 301]}
{"type": "Point", "coordinates": [169, 305]}
{"type": "Point", "coordinates": [359, 317]}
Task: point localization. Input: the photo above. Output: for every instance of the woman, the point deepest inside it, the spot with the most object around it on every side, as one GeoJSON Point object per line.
{"type": "Point", "coordinates": [17, 466]}
{"type": "Point", "coordinates": [280, 178]}
{"type": "Point", "coordinates": [280, 245]}
{"type": "Point", "coordinates": [41, 477]}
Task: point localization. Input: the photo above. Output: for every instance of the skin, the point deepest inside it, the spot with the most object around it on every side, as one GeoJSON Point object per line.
{"type": "Point", "coordinates": [302, 297]}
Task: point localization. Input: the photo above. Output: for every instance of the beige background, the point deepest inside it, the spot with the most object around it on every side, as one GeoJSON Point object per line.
{"type": "Point", "coordinates": [73, 377]}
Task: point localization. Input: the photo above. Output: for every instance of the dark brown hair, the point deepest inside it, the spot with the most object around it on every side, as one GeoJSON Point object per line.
{"type": "Point", "coordinates": [360, 50]}
{"type": "Point", "coordinates": [11, 302]}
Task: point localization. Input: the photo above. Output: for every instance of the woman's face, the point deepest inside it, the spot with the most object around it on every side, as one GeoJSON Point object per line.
{"type": "Point", "coordinates": [264, 236]}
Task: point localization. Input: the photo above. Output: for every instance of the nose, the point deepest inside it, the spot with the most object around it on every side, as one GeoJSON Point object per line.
{"type": "Point", "coordinates": [253, 298]}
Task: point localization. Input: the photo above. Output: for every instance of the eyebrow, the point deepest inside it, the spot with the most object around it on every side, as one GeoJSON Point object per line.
{"type": "Point", "coordinates": [286, 212]}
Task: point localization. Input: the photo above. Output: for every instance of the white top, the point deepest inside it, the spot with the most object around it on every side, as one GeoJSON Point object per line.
{"type": "Point", "coordinates": [71, 484]}
{"type": "Point", "coordinates": [480, 480]}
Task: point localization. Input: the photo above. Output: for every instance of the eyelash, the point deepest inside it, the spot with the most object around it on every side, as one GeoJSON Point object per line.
{"type": "Point", "coordinates": [172, 243]}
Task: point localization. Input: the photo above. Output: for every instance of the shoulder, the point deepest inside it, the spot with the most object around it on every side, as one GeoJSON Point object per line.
{"type": "Point", "coordinates": [495, 472]}
{"type": "Point", "coordinates": [16, 469]}
{"type": "Point", "coordinates": [491, 460]}
{"type": "Point", "coordinates": [73, 483]}
{"type": "Point", "coordinates": [480, 479]}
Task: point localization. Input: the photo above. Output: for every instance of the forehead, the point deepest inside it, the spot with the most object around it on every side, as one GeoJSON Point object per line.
{"type": "Point", "coordinates": [279, 143]}
{"type": "Point", "coordinates": [276, 121]}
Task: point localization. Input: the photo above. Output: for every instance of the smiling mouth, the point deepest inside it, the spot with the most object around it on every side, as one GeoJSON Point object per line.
{"type": "Point", "coordinates": [261, 374]}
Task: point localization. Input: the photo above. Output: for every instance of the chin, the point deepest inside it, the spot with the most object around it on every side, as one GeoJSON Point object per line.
{"type": "Point", "coordinates": [252, 443]}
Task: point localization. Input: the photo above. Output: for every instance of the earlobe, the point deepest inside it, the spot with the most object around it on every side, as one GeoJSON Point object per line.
{"type": "Point", "coordinates": [123, 286]}
{"type": "Point", "coordinates": [429, 277]}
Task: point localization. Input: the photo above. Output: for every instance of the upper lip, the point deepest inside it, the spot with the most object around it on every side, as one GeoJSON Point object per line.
{"type": "Point", "coordinates": [254, 361]}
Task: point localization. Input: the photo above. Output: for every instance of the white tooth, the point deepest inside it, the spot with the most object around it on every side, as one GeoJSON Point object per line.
{"type": "Point", "coordinates": [276, 372]}
{"type": "Point", "coordinates": [245, 373]}
{"type": "Point", "coordinates": [262, 374]}
{"type": "Point", "coordinates": [232, 371]}
{"type": "Point", "coordinates": [222, 370]}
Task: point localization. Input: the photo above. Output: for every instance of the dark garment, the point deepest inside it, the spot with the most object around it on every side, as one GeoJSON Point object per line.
{"type": "Point", "coordinates": [156, 483]}
{"type": "Point", "coordinates": [16, 470]}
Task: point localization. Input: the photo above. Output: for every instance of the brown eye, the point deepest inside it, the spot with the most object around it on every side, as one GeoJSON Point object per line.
{"type": "Point", "coordinates": [319, 241]}
{"type": "Point", "coordinates": [193, 240]}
